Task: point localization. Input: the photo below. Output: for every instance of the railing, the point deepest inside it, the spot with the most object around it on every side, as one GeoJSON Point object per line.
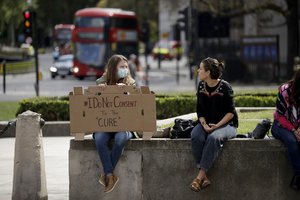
{"type": "Point", "coordinates": [18, 67]}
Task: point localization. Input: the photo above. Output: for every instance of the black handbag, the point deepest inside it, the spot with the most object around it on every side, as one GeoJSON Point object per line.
{"type": "Point", "coordinates": [259, 132]}
{"type": "Point", "coordinates": [182, 128]}
{"type": "Point", "coordinates": [261, 129]}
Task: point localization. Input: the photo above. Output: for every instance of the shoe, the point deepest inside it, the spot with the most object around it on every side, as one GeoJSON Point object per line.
{"type": "Point", "coordinates": [112, 181]}
{"type": "Point", "coordinates": [196, 185]}
{"type": "Point", "coordinates": [295, 183]}
{"type": "Point", "coordinates": [205, 184]}
{"type": "Point", "coordinates": [102, 180]}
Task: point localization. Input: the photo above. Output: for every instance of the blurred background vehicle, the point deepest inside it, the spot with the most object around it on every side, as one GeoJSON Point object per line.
{"type": "Point", "coordinates": [62, 66]}
{"type": "Point", "coordinates": [98, 34]}
{"type": "Point", "coordinates": [62, 35]}
{"type": "Point", "coordinates": [166, 50]}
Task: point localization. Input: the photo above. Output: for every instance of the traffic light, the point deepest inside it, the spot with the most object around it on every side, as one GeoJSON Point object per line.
{"type": "Point", "coordinates": [145, 32]}
{"type": "Point", "coordinates": [184, 21]}
{"type": "Point", "coordinates": [176, 32]}
{"type": "Point", "coordinates": [28, 19]}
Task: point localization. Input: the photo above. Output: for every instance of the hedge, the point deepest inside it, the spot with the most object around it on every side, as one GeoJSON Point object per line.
{"type": "Point", "coordinates": [51, 108]}
{"type": "Point", "coordinates": [167, 106]}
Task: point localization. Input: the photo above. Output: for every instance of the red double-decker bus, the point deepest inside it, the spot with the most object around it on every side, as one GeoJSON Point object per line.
{"type": "Point", "coordinates": [63, 33]}
{"type": "Point", "coordinates": [100, 33]}
{"type": "Point", "coordinates": [62, 36]}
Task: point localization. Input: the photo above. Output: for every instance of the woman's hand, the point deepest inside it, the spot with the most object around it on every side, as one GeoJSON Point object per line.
{"type": "Point", "coordinates": [297, 134]}
{"type": "Point", "coordinates": [213, 126]}
{"type": "Point", "coordinates": [207, 128]}
{"type": "Point", "coordinates": [210, 127]}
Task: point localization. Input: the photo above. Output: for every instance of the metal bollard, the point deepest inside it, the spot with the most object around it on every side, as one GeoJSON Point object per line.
{"type": "Point", "coordinates": [29, 179]}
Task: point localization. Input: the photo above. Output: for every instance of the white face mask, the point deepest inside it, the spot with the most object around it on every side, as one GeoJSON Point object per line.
{"type": "Point", "coordinates": [122, 72]}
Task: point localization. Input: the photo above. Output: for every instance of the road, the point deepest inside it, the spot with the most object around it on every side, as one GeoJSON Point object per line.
{"type": "Point", "coordinates": [22, 85]}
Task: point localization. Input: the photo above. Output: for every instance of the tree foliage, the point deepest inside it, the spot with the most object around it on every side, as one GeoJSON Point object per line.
{"type": "Point", "coordinates": [50, 13]}
{"type": "Point", "coordinates": [11, 17]}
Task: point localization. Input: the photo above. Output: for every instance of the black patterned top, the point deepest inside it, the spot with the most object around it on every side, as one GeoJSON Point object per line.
{"type": "Point", "coordinates": [213, 103]}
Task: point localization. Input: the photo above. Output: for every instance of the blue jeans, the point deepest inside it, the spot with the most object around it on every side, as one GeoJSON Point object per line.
{"type": "Point", "coordinates": [110, 159]}
{"type": "Point", "coordinates": [289, 140]}
{"type": "Point", "coordinates": [206, 147]}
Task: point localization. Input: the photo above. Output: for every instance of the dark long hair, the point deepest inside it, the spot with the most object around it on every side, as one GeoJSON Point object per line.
{"type": "Point", "coordinates": [295, 87]}
{"type": "Point", "coordinates": [214, 66]}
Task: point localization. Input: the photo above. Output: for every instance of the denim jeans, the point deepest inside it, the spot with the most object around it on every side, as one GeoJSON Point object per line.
{"type": "Point", "coordinates": [289, 140]}
{"type": "Point", "coordinates": [110, 159]}
{"type": "Point", "coordinates": [206, 147]}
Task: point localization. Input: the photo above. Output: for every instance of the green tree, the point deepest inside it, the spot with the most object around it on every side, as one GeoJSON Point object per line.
{"type": "Point", "coordinates": [50, 13]}
{"type": "Point", "coordinates": [11, 19]}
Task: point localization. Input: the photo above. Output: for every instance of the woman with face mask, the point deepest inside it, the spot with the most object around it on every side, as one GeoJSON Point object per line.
{"type": "Point", "coordinates": [117, 73]}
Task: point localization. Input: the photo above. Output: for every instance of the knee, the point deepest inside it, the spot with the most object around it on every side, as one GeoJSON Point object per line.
{"type": "Point", "coordinates": [121, 139]}
{"type": "Point", "coordinates": [120, 142]}
{"type": "Point", "coordinates": [213, 138]}
{"type": "Point", "coordinates": [197, 133]}
{"type": "Point", "coordinates": [193, 134]}
{"type": "Point", "coordinates": [292, 143]}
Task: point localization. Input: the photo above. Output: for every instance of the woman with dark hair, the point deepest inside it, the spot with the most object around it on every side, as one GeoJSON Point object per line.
{"type": "Point", "coordinates": [217, 116]}
{"type": "Point", "coordinates": [117, 73]}
{"type": "Point", "coordinates": [286, 126]}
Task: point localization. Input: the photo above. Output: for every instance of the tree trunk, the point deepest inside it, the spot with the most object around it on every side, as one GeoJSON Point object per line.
{"type": "Point", "coordinates": [11, 34]}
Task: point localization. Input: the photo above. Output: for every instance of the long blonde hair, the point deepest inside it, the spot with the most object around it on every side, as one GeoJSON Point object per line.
{"type": "Point", "coordinates": [111, 71]}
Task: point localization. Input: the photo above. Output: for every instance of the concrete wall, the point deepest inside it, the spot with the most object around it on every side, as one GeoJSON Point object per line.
{"type": "Point", "coordinates": [51, 128]}
{"type": "Point", "coordinates": [164, 168]}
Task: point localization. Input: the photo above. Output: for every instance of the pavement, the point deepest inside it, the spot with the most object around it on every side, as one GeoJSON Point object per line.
{"type": "Point", "coordinates": [56, 164]}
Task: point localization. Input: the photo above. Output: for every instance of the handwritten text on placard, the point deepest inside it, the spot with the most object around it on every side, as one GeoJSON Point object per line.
{"type": "Point", "coordinates": [105, 102]}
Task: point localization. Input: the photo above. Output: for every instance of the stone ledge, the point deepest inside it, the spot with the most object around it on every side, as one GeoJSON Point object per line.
{"type": "Point", "coordinates": [163, 168]}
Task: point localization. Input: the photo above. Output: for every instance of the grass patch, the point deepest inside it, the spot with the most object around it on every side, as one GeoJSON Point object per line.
{"type": "Point", "coordinates": [256, 114]}
{"type": "Point", "coordinates": [8, 110]}
{"type": "Point", "coordinates": [248, 120]}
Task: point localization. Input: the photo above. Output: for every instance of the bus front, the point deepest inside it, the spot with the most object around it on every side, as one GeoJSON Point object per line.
{"type": "Point", "coordinates": [63, 33]}
{"type": "Point", "coordinates": [98, 34]}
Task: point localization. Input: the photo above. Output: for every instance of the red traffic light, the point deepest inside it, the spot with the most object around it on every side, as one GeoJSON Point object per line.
{"type": "Point", "coordinates": [27, 14]}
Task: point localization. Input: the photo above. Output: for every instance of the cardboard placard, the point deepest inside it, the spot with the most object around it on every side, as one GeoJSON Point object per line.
{"type": "Point", "coordinates": [111, 108]}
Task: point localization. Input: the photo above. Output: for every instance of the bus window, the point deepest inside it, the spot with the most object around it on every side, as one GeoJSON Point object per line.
{"type": "Point", "coordinates": [90, 53]}
{"type": "Point", "coordinates": [64, 34]}
{"type": "Point", "coordinates": [91, 22]}
{"type": "Point", "coordinates": [123, 23]}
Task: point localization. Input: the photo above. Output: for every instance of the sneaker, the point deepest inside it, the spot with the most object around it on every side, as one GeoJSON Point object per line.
{"type": "Point", "coordinates": [112, 181]}
{"type": "Point", "coordinates": [102, 180]}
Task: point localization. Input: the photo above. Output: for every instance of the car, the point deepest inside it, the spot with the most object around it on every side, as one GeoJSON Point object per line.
{"type": "Point", "coordinates": [63, 66]}
{"type": "Point", "coordinates": [166, 50]}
